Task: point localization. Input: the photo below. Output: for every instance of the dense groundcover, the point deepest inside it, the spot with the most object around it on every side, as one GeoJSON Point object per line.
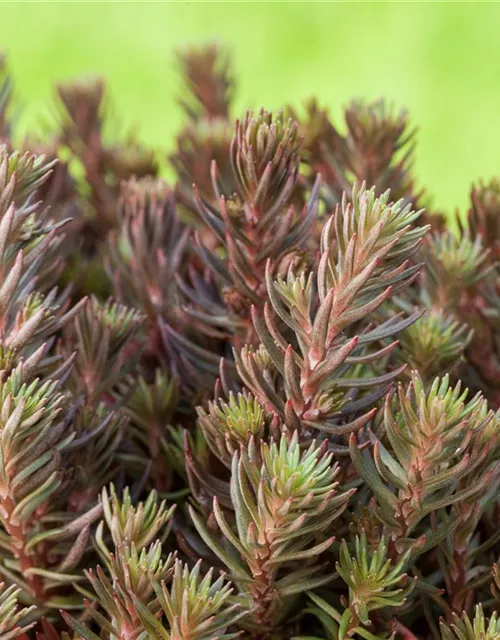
{"type": "Point", "coordinates": [259, 401]}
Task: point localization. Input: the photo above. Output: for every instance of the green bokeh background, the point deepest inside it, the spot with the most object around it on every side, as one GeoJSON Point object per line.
{"type": "Point", "coordinates": [440, 60]}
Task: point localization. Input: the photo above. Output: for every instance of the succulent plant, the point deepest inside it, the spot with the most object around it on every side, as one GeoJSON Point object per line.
{"type": "Point", "coordinates": [260, 400]}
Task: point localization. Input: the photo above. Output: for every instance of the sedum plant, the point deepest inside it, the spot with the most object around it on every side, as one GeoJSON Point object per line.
{"type": "Point", "coordinates": [466, 629]}
{"type": "Point", "coordinates": [375, 583]}
{"type": "Point", "coordinates": [260, 399]}
{"type": "Point", "coordinates": [14, 619]}
{"type": "Point", "coordinates": [284, 502]}
{"type": "Point", "coordinates": [207, 612]}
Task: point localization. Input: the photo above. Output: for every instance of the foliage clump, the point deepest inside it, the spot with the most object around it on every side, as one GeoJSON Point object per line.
{"type": "Point", "coordinates": [259, 401]}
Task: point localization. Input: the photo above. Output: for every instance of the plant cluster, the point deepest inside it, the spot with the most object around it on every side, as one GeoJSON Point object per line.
{"type": "Point", "coordinates": [261, 400]}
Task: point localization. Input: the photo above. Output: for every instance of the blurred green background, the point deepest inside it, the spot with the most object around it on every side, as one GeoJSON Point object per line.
{"type": "Point", "coordinates": [440, 60]}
